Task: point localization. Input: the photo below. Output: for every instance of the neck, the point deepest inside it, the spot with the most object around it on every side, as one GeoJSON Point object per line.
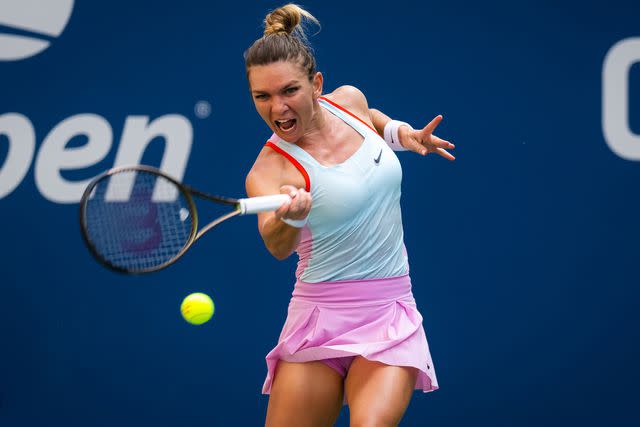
{"type": "Point", "coordinates": [320, 127]}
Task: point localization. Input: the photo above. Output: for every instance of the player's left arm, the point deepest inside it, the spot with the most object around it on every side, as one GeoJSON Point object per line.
{"type": "Point", "coordinates": [421, 141]}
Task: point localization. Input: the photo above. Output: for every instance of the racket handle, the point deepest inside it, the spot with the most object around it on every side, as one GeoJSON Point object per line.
{"type": "Point", "coordinates": [263, 203]}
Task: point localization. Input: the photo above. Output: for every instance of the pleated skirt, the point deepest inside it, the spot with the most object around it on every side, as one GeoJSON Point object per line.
{"type": "Point", "coordinates": [376, 319]}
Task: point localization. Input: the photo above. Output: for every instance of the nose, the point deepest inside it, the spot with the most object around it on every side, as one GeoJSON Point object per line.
{"type": "Point", "coordinates": [279, 105]}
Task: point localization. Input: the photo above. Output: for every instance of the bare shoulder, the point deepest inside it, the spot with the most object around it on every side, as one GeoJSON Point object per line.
{"type": "Point", "coordinates": [351, 98]}
{"type": "Point", "coordinates": [269, 172]}
{"type": "Point", "coordinates": [262, 175]}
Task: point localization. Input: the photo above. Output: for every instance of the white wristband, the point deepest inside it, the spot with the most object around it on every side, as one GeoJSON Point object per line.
{"type": "Point", "coordinates": [391, 134]}
{"type": "Point", "coordinates": [297, 223]}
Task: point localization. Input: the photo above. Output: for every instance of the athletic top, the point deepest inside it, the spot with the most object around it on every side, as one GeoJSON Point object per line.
{"type": "Point", "coordinates": [354, 229]}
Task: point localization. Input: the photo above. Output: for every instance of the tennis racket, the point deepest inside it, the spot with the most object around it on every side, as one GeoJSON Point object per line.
{"type": "Point", "coordinates": [137, 219]}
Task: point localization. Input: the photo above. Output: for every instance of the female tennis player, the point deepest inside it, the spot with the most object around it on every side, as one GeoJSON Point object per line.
{"type": "Point", "coordinates": [353, 333]}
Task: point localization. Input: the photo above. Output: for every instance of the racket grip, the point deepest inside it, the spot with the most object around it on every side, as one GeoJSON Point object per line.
{"type": "Point", "coordinates": [253, 205]}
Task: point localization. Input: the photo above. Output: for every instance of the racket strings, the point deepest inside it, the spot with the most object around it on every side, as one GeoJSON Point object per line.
{"type": "Point", "coordinates": [137, 220]}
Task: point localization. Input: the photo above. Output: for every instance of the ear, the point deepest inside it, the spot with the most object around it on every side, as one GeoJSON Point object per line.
{"type": "Point", "coordinates": [317, 85]}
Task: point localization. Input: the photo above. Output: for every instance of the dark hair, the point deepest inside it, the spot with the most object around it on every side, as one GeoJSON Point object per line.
{"type": "Point", "coordinates": [284, 39]}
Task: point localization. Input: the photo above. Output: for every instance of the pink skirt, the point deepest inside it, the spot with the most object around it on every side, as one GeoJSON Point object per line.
{"type": "Point", "coordinates": [376, 319]}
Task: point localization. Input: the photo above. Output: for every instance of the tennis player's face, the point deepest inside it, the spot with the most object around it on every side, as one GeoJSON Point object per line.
{"type": "Point", "coordinates": [285, 98]}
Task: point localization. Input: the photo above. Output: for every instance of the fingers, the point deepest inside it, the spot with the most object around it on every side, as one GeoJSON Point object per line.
{"type": "Point", "coordinates": [299, 206]}
{"type": "Point", "coordinates": [445, 154]}
{"type": "Point", "coordinates": [410, 140]}
{"type": "Point", "coordinates": [432, 125]}
{"type": "Point", "coordinates": [441, 143]}
{"type": "Point", "coordinates": [434, 144]}
{"type": "Point", "coordinates": [415, 146]}
{"type": "Point", "coordinates": [288, 189]}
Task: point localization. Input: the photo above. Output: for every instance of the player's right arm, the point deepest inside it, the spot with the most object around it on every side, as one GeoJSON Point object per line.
{"type": "Point", "coordinates": [273, 174]}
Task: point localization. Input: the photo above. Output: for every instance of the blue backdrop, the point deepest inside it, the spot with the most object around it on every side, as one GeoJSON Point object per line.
{"type": "Point", "coordinates": [523, 251]}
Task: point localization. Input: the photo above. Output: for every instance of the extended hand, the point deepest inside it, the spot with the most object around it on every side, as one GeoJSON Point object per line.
{"type": "Point", "coordinates": [423, 141]}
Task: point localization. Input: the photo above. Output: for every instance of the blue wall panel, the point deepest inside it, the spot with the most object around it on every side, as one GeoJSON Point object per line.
{"type": "Point", "coordinates": [523, 251]}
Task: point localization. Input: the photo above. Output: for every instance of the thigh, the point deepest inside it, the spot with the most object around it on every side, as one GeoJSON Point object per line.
{"type": "Point", "coordinates": [378, 394]}
{"type": "Point", "coordinates": [304, 394]}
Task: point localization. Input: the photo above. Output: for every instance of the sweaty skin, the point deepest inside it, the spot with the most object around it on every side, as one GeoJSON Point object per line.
{"type": "Point", "coordinates": [278, 96]}
{"type": "Point", "coordinates": [282, 93]}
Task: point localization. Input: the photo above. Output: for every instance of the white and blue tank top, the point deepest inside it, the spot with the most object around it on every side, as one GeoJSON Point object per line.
{"type": "Point", "coordinates": [354, 229]}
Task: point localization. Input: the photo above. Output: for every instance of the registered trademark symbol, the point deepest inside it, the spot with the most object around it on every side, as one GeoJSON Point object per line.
{"type": "Point", "coordinates": [202, 109]}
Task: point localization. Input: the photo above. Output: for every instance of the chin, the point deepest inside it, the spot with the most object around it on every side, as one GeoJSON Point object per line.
{"type": "Point", "coordinates": [291, 139]}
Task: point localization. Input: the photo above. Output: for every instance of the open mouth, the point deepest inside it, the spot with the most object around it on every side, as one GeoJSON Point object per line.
{"type": "Point", "coordinates": [286, 125]}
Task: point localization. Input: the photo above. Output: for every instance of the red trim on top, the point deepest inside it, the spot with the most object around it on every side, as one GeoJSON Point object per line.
{"type": "Point", "coordinates": [295, 163]}
{"type": "Point", "coordinates": [348, 112]}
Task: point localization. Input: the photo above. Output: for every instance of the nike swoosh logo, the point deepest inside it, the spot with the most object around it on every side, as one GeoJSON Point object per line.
{"type": "Point", "coordinates": [377, 160]}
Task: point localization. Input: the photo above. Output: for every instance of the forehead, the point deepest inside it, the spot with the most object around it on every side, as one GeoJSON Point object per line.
{"type": "Point", "coordinates": [275, 75]}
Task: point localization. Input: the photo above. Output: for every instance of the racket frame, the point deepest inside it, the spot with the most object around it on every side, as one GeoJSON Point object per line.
{"type": "Point", "coordinates": [185, 190]}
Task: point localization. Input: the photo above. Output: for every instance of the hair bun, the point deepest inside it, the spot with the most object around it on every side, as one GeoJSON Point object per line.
{"type": "Point", "coordinates": [284, 39]}
{"type": "Point", "coordinates": [284, 20]}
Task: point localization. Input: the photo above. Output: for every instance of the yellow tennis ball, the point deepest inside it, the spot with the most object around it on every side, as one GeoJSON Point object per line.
{"type": "Point", "coordinates": [197, 308]}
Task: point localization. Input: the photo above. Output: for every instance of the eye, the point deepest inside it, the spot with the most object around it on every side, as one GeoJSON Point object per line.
{"type": "Point", "coordinates": [260, 96]}
{"type": "Point", "coordinates": [291, 90]}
